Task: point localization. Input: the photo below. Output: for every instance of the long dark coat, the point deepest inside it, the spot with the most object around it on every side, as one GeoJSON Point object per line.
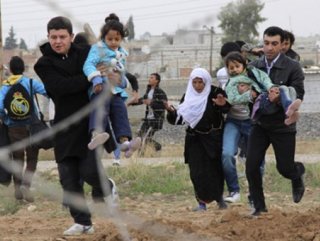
{"type": "Point", "coordinates": [67, 86]}
{"type": "Point", "coordinates": [203, 150]}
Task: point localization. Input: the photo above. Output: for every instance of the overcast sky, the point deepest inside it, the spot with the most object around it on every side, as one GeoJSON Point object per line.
{"type": "Point", "coordinates": [29, 18]}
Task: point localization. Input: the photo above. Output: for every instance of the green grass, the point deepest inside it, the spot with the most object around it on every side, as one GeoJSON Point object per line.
{"type": "Point", "coordinates": [139, 178]}
{"type": "Point", "coordinates": [173, 179]}
{"type": "Point", "coordinates": [167, 179]}
{"type": "Point", "coordinates": [8, 205]}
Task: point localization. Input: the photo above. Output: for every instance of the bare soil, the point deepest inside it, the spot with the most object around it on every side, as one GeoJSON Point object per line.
{"type": "Point", "coordinates": [167, 218]}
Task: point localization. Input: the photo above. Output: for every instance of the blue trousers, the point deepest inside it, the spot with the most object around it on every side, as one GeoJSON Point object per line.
{"type": "Point", "coordinates": [115, 110]}
{"type": "Point", "coordinates": [232, 131]}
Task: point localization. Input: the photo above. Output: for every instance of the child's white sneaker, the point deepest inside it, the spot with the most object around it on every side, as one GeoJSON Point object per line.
{"type": "Point", "coordinates": [133, 146]}
{"type": "Point", "coordinates": [125, 146]}
{"type": "Point", "coordinates": [292, 119]}
{"type": "Point", "coordinates": [293, 107]}
{"type": "Point", "coordinates": [116, 162]}
{"type": "Point", "coordinates": [98, 139]}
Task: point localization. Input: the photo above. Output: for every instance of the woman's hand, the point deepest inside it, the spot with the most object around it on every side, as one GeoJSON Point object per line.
{"type": "Point", "coordinates": [220, 100]}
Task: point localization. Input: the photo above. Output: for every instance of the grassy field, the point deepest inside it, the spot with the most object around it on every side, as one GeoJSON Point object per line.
{"type": "Point", "coordinates": [303, 147]}
{"type": "Point", "coordinates": [172, 180]}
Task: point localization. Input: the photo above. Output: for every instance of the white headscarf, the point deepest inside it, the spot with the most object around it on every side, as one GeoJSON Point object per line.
{"type": "Point", "coordinates": [195, 103]}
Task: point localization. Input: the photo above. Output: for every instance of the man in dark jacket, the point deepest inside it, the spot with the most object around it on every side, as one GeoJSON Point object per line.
{"type": "Point", "coordinates": [271, 129]}
{"type": "Point", "coordinates": [155, 100]}
{"type": "Point", "coordinates": [60, 69]}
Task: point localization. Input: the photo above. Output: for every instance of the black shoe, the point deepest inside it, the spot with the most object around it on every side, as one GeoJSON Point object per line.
{"type": "Point", "coordinates": [222, 204]}
{"type": "Point", "coordinates": [297, 189]}
{"type": "Point", "coordinates": [258, 211]}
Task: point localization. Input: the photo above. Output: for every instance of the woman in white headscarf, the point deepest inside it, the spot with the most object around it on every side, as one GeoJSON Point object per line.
{"type": "Point", "coordinates": [201, 109]}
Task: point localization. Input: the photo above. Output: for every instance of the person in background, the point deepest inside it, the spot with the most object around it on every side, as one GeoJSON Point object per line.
{"type": "Point", "coordinates": [222, 73]}
{"type": "Point", "coordinates": [271, 128]}
{"type": "Point", "coordinates": [201, 109]}
{"type": "Point", "coordinates": [17, 116]}
{"type": "Point", "coordinates": [60, 69]}
{"type": "Point", "coordinates": [155, 100]}
{"type": "Point", "coordinates": [287, 46]}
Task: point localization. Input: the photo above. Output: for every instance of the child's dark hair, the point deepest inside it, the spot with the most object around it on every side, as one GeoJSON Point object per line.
{"type": "Point", "coordinates": [274, 31]}
{"type": "Point", "coordinates": [112, 22]}
{"type": "Point", "coordinates": [235, 57]}
{"type": "Point", "coordinates": [60, 23]}
{"type": "Point", "coordinates": [16, 65]}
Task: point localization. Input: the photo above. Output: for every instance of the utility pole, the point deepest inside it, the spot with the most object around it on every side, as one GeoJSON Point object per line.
{"type": "Point", "coordinates": [211, 30]}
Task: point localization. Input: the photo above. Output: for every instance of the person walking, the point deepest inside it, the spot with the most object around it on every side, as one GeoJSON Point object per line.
{"type": "Point", "coordinates": [155, 100]}
{"type": "Point", "coordinates": [271, 128]}
{"type": "Point", "coordinates": [60, 69]}
{"type": "Point", "coordinates": [16, 110]}
{"type": "Point", "coordinates": [201, 109]}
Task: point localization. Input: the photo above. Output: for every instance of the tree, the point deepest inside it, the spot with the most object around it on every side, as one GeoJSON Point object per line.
{"type": "Point", "coordinates": [11, 41]}
{"type": "Point", "coordinates": [130, 28]}
{"type": "Point", "coordinates": [23, 44]}
{"type": "Point", "coordinates": [239, 20]}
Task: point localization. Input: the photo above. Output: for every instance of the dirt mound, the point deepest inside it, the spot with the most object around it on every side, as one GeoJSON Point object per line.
{"type": "Point", "coordinates": [168, 218]}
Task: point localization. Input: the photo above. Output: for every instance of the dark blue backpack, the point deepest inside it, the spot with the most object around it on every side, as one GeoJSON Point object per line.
{"type": "Point", "coordinates": [18, 103]}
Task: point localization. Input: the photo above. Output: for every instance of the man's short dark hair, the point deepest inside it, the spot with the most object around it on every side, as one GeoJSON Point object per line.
{"type": "Point", "coordinates": [60, 23]}
{"type": "Point", "coordinates": [273, 31]}
{"type": "Point", "coordinates": [158, 77]}
{"type": "Point", "coordinates": [16, 65]}
{"type": "Point", "coordinates": [229, 47]}
{"type": "Point", "coordinates": [289, 36]}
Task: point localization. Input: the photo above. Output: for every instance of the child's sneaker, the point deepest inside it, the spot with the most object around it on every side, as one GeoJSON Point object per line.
{"type": "Point", "coordinates": [233, 197]}
{"type": "Point", "coordinates": [125, 146]}
{"type": "Point", "coordinates": [293, 107]}
{"type": "Point", "coordinates": [116, 162]}
{"type": "Point", "coordinates": [98, 139]}
{"type": "Point", "coordinates": [133, 146]}
{"type": "Point", "coordinates": [292, 119]}
{"type": "Point", "coordinates": [78, 229]}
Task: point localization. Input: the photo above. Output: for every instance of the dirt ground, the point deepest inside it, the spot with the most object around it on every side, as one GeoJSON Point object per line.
{"type": "Point", "coordinates": [167, 218]}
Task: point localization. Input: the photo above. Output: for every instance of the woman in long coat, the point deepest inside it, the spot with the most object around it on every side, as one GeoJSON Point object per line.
{"type": "Point", "coordinates": [201, 109]}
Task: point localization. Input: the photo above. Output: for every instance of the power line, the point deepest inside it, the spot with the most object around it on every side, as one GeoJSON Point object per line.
{"type": "Point", "coordinates": [90, 13]}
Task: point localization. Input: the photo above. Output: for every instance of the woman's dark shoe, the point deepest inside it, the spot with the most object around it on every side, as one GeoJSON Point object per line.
{"type": "Point", "coordinates": [222, 204]}
{"type": "Point", "coordinates": [201, 207]}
